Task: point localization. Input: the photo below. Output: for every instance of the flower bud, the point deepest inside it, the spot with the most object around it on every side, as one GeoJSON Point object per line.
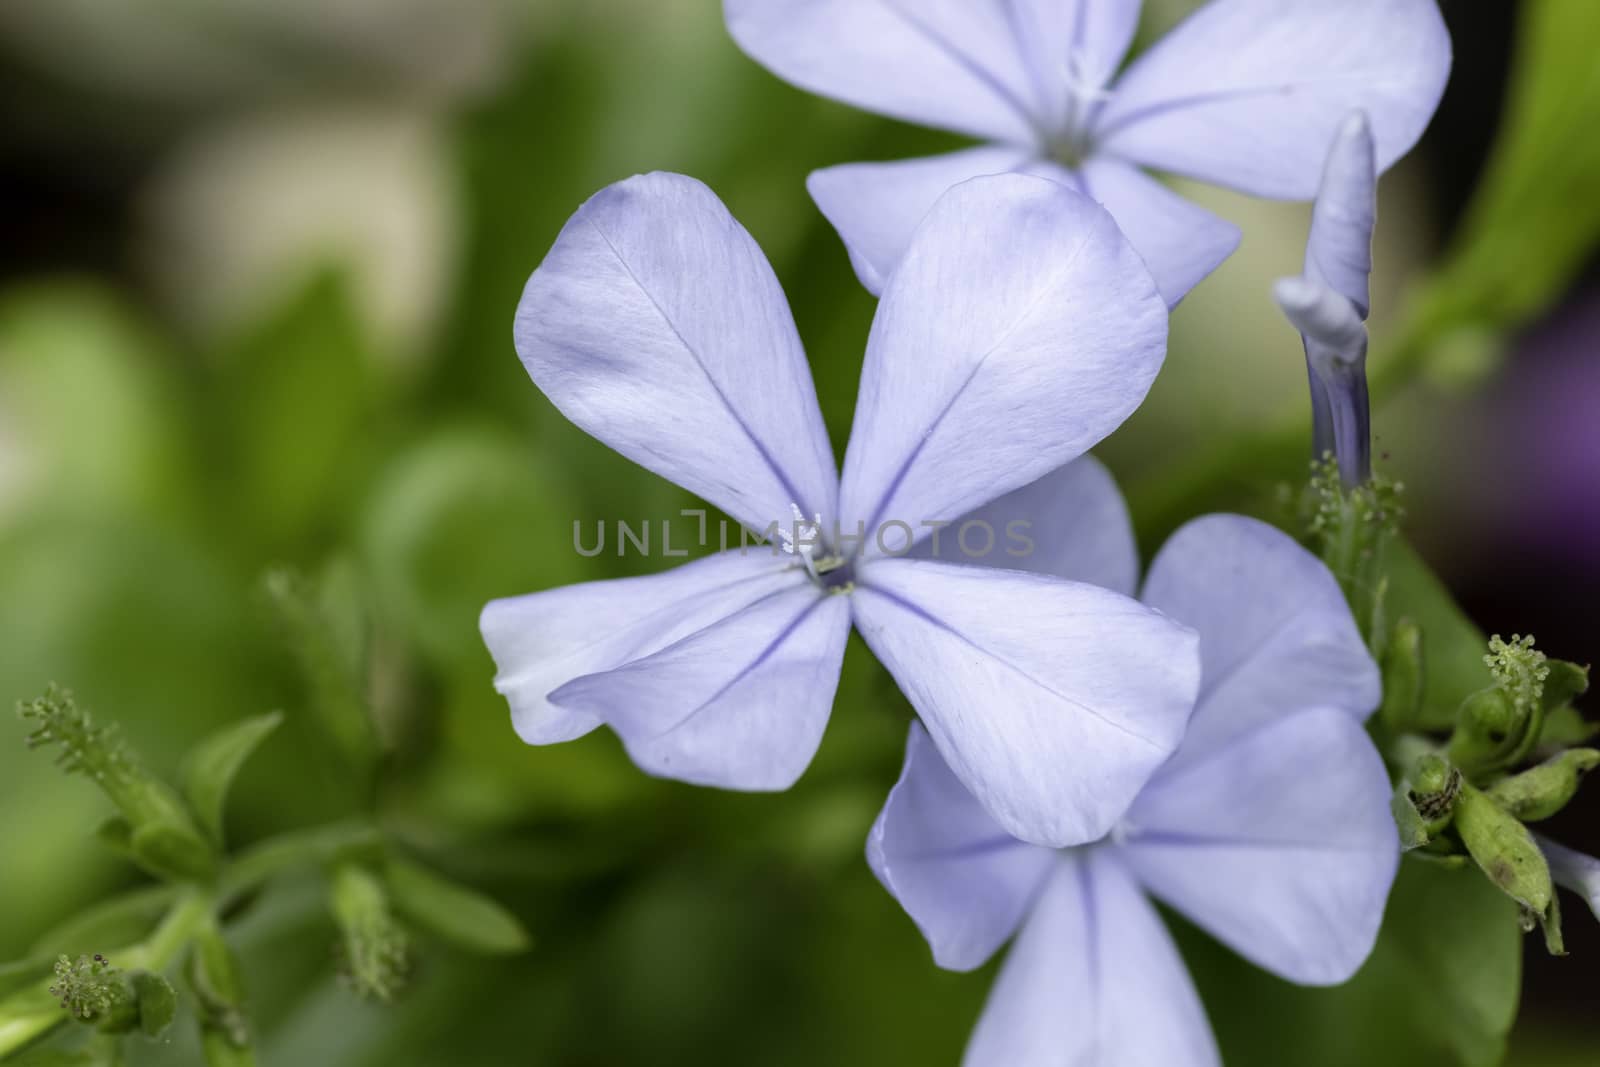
{"type": "Point", "coordinates": [1504, 849]}
{"type": "Point", "coordinates": [1544, 790]}
{"type": "Point", "coordinates": [1402, 678]}
{"type": "Point", "coordinates": [1490, 729]}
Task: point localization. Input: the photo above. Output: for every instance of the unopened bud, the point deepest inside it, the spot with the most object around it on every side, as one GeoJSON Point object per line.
{"type": "Point", "coordinates": [1490, 728]}
{"type": "Point", "coordinates": [1402, 678]}
{"type": "Point", "coordinates": [1504, 850]}
{"type": "Point", "coordinates": [1544, 790]}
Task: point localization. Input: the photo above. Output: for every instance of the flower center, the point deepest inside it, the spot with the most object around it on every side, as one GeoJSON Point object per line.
{"type": "Point", "coordinates": [1070, 144]}
{"type": "Point", "coordinates": [829, 571]}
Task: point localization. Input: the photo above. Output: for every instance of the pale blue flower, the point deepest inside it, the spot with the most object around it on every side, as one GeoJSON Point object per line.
{"type": "Point", "coordinates": [1330, 302]}
{"type": "Point", "coordinates": [1269, 828]}
{"type": "Point", "coordinates": [1244, 94]}
{"type": "Point", "coordinates": [1021, 329]}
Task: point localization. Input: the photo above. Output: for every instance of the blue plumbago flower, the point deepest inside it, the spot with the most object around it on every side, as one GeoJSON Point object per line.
{"type": "Point", "coordinates": [1573, 870]}
{"type": "Point", "coordinates": [1245, 94]}
{"type": "Point", "coordinates": [1021, 329]}
{"type": "Point", "coordinates": [1330, 302]}
{"type": "Point", "coordinates": [1270, 826]}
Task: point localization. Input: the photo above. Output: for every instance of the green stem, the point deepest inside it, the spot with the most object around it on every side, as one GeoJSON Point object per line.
{"type": "Point", "coordinates": [1244, 465]}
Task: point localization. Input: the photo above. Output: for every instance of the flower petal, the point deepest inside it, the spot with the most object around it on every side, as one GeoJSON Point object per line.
{"type": "Point", "coordinates": [1339, 251]}
{"type": "Point", "coordinates": [740, 704]}
{"type": "Point", "coordinates": [1281, 844]}
{"type": "Point", "coordinates": [1093, 978]}
{"type": "Point", "coordinates": [1020, 329]}
{"type": "Point", "coordinates": [656, 325]}
{"type": "Point", "coordinates": [1181, 242]}
{"type": "Point", "coordinates": [959, 875]}
{"type": "Point", "coordinates": [1075, 45]}
{"type": "Point", "coordinates": [1573, 870]}
{"type": "Point", "coordinates": [876, 207]}
{"type": "Point", "coordinates": [1248, 93]}
{"type": "Point", "coordinates": [1276, 635]}
{"type": "Point", "coordinates": [1071, 524]}
{"type": "Point", "coordinates": [544, 640]}
{"type": "Point", "coordinates": [953, 64]}
{"type": "Point", "coordinates": [1052, 701]}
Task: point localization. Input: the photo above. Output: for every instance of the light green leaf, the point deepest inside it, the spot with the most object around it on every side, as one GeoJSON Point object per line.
{"type": "Point", "coordinates": [454, 912]}
{"type": "Point", "coordinates": [1452, 661]}
{"type": "Point", "coordinates": [210, 767]}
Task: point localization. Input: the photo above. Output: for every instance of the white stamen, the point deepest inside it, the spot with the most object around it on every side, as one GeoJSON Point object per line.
{"type": "Point", "coordinates": [801, 537]}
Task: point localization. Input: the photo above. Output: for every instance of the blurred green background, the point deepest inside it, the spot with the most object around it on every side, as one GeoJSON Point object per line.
{"type": "Point", "coordinates": [258, 264]}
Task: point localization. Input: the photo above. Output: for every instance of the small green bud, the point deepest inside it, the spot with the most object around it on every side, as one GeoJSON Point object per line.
{"type": "Point", "coordinates": [213, 975]}
{"type": "Point", "coordinates": [1504, 850]}
{"type": "Point", "coordinates": [1402, 678]}
{"type": "Point", "coordinates": [1544, 790]}
{"type": "Point", "coordinates": [1434, 788]}
{"type": "Point", "coordinates": [93, 991]}
{"type": "Point", "coordinates": [1490, 729]}
{"type": "Point", "coordinates": [155, 829]}
{"type": "Point", "coordinates": [374, 948]}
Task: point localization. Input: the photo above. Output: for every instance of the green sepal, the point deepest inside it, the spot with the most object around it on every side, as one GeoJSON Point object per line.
{"type": "Point", "coordinates": [1413, 829]}
{"type": "Point", "coordinates": [173, 851]}
{"type": "Point", "coordinates": [1403, 672]}
{"type": "Point", "coordinates": [1491, 729]}
{"type": "Point", "coordinates": [1565, 727]}
{"type": "Point", "coordinates": [375, 949]}
{"type": "Point", "coordinates": [1550, 922]}
{"type": "Point", "coordinates": [462, 916]}
{"type": "Point", "coordinates": [210, 768]}
{"type": "Point", "coordinates": [157, 1000]}
{"type": "Point", "coordinates": [1565, 683]}
{"type": "Point", "coordinates": [1504, 850]}
{"type": "Point", "coordinates": [1544, 790]}
{"type": "Point", "coordinates": [213, 976]}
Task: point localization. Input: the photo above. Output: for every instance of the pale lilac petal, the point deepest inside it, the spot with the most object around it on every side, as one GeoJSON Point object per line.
{"type": "Point", "coordinates": [963, 880]}
{"type": "Point", "coordinates": [740, 704]}
{"type": "Point", "coordinates": [1181, 242]}
{"type": "Point", "coordinates": [1052, 701]}
{"type": "Point", "coordinates": [656, 325]}
{"type": "Point", "coordinates": [1073, 48]}
{"type": "Point", "coordinates": [1020, 329]}
{"type": "Point", "coordinates": [876, 207]}
{"type": "Point", "coordinates": [1093, 979]}
{"type": "Point", "coordinates": [1280, 844]}
{"type": "Point", "coordinates": [1573, 870]}
{"type": "Point", "coordinates": [544, 640]}
{"type": "Point", "coordinates": [954, 64]}
{"type": "Point", "coordinates": [1276, 635]}
{"type": "Point", "coordinates": [1249, 93]}
{"type": "Point", "coordinates": [1339, 252]}
{"type": "Point", "coordinates": [1070, 524]}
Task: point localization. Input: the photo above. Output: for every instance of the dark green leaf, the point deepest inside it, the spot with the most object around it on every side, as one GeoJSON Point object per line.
{"type": "Point", "coordinates": [209, 769]}
{"type": "Point", "coordinates": [1452, 646]}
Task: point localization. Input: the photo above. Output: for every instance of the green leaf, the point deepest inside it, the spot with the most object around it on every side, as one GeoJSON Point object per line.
{"type": "Point", "coordinates": [1542, 791]}
{"type": "Point", "coordinates": [1440, 988]}
{"type": "Point", "coordinates": [158, 1003]}
{"type": "Point", "coordinates": [463, 916]}
{"type": "Point", "coordinates": [209, 769]}
{"type": "Point", "coordinates": [1535, 219]}
{"type": "Point", "coordinates": [1413, 828]}
{"type": "Point", "coordinates": [1566, 683]}
{"type": "Point", "coordinates": [1452, 664]}
{"type": "Point", "coordinates": [1565, 727]}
